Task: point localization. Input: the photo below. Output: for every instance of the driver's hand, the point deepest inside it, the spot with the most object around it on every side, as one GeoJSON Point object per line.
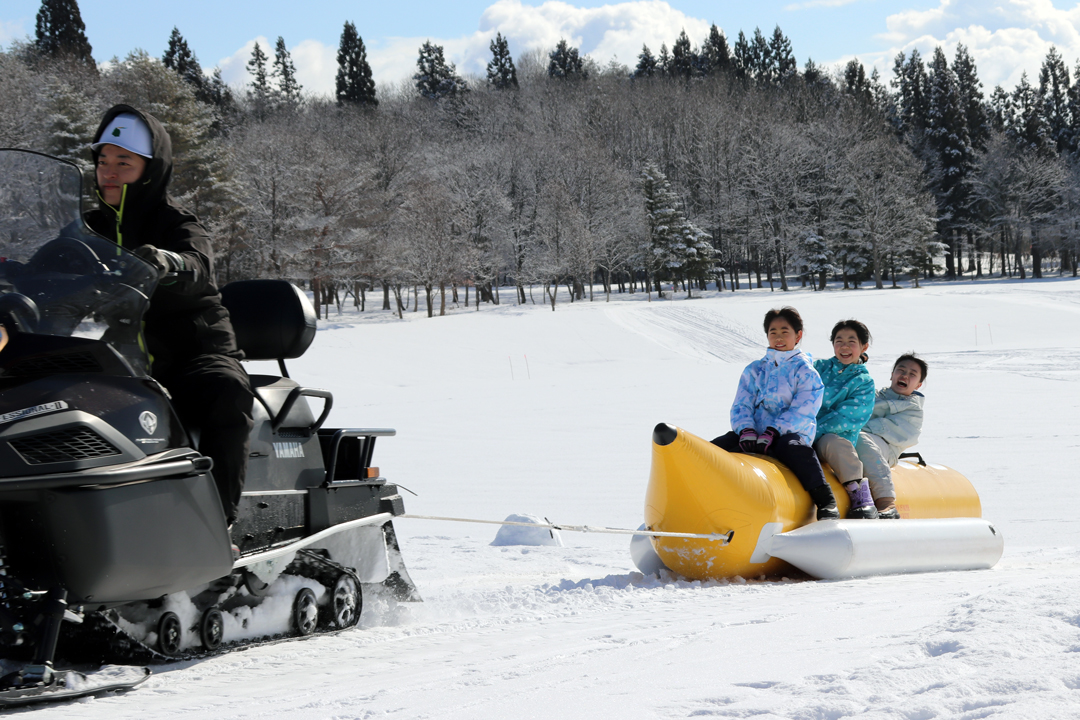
{"type": "Point", "coordinates": [166, 262]}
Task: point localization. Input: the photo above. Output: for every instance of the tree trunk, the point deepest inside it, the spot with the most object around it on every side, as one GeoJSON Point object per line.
{"type": "Point", "coordinates": [386, 295]}
{"type": "Point", "coordinates": [316, 293]}
{"type": "Point", "coordinates": [428, 287]}
{"type": "Point", "coordinates": [442, 299]}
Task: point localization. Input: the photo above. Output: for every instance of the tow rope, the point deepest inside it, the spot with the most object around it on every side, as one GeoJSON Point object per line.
{"type": "Point", "coordinates": [722, 538]}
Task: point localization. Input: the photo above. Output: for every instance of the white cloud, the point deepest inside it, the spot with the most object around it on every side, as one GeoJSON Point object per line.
{"type": "Point", "coordinates": [1006, 38]}
{"type": "Point", "coordinates": [611, 31]}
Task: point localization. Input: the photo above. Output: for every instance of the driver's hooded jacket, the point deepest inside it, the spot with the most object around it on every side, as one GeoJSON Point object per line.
{"type": "Point", "coordinates": [186, 318]}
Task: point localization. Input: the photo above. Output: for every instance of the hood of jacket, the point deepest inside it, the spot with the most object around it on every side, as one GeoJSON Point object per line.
{"type": "Point", "coordinates": [150, 190]}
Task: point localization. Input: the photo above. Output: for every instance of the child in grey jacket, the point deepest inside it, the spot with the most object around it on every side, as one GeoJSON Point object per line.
{"type": "Point", "coordinates": [893, 427]}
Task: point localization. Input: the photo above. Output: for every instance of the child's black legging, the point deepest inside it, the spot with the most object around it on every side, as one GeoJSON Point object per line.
{"type": "Point", "coordinates": [790, 450]}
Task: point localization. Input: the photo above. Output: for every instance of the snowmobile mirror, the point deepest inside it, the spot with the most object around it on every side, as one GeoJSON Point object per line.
{"type": "Point", "coordinates": [3, 338]}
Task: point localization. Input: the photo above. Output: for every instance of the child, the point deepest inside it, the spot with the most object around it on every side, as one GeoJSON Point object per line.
{"type": "Point", "coordinates": [776, 406]}
{"type": "Point", "coordinates": [847, 405]}
{"type": "Point", "coordinates": [893, 427]}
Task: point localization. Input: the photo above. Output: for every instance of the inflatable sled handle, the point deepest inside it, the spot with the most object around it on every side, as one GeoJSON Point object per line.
{"type": "Point", "coordinates": [722, 538]}
{"type": "Point", "coordinates": [294, 395]}
{"type": "Point", "coordinates": [916, 455]}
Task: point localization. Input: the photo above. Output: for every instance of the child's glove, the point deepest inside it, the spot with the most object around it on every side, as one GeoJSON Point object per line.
{"type": "Point", "coordinates": [748, 440]}
{"type": "Point", "coordinates": [765, 440]}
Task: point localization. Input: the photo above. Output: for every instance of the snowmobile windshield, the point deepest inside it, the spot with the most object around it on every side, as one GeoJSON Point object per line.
{"type": "Point", "coordinates": [57, 277]}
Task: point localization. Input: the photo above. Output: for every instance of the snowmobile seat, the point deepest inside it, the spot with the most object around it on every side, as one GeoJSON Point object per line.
{"type": "Point", "coordinates": [274, 320]}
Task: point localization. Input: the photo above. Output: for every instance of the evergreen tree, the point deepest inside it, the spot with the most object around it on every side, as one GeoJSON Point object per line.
{"type": "Point", "coordinates": [781, 56]}
{"type": "Point", "coordinates": [715, 55]}
{"type": "Point", "coordinates": [683, 58]}
{"type": "Point", "coordinates": [812, 74]}
{"type": "Point", "coordinates": [663, 60]}
{"type": "Point", "coordinates": [646, 66]}
{"type": "Point", "coordinates": [1027, 127]}
{"type": "Point", "coordinates": [743, 58]}
{"type": "Point", "coordinates": [435, 78]}
{"type": "Point", "coordinates": [946, 133]}
{"type": "Point", "coordinates": [1074, 109]}
{"type": "Point", "coordinates": [971, 98]}
{"type": "Point", "coordinates": [762, 63]}
{"type": "Point", "coordinates": [856, 84]}
{"type": "Point", "coordinates": [259, 92]}
{"type": "Point", "coordinates": [910, 82]}
{"type": "Point", "coordinates": [677, 248]}
{"type": "Point", "coordinates": [178, 57]}
{"type": "Point", "coordinates": [1054, 89]}
{"type": "Point", "coordinates": [501, 73]}
{"type": "Point", "coordinates": [288, 89]}
{"type": "Point", "coordinates": [61, 33]}
{"type": "Point", "coordinates": [564, 63]}
{"type": "Point", "coordinates": [353, 84]}
{"type": "Point", "coordinates": [219, 95]}
{"type": "Point", "coordinates": [1001, 110]}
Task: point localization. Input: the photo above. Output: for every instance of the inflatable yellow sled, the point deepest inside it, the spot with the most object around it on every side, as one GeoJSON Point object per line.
{"type": "Point", "coordinates": [767, 520]}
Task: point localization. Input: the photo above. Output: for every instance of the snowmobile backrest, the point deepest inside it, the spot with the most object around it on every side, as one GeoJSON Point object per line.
{"type": "Point", "coordinates": [273, 319]}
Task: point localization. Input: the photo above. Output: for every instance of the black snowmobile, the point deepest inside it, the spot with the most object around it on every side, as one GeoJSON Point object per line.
{"type": "Point", "coordinates": [113, 541]}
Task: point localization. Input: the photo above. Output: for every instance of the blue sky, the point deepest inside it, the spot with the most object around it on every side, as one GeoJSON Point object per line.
{"type": "Point", "coordinates": [1006, 37]}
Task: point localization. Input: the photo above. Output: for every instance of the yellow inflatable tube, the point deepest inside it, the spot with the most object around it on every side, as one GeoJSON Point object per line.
{"type": "Point", "coordinates": [695, 487]}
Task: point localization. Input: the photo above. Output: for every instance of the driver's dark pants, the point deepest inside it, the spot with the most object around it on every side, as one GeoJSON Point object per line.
{"type": "Point", "coordinates": [213, 393]}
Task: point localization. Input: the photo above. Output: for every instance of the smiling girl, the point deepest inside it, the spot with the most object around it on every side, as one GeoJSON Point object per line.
{"type": "Point", "coordinates": [776, 406]}
{"type": "Point", "coordinates": [847, 405]}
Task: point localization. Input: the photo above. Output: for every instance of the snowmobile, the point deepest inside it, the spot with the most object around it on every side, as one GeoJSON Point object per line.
{"type": "Point", "coordinates": [113, 541]}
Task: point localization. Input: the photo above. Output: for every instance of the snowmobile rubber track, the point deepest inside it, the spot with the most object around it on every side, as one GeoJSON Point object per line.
{"type": "Point", "coordinates": [100, 639]}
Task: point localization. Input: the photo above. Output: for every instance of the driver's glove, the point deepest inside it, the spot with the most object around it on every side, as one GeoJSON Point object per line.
{"type": "Point", "coordinates": [165, 261]}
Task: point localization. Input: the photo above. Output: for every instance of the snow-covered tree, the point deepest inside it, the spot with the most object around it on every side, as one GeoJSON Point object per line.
{"type": "Point", "coordinates": [646, 65]}
{"type": "Point", "coordinates": [677, 248]}
{"type": "Point", "coordinates": [435, 78]}
{"type": "Point", "coordinates": [287, 93]}
{"type": "Point", "coordinates": [501, 73]}
{"type": "Point", "coordinates": [259, 93]}
{"type": "Point", "coordinates": [971, 97]}
{"type": "Point", "coordinates": [684, 60]}
{"type": "Point", "coordinates": [947, 138]}
{"type": "Point", "coordinates": [1054, 89]}
{"type": "Point", "coordinates": [564, 63]}
{"type": "Point", "coordinates": [715, 56]}
{"type": "Point", "coordinates": [353, 84]}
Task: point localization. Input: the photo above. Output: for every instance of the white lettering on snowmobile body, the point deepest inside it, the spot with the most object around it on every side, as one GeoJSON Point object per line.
{"type": "Point", "coordinates": [32, 411]}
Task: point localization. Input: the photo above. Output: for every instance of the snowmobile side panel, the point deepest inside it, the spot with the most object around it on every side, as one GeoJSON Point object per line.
{"type": "Point", "coordinates": [109, 544]}
{"type": "Point", "coordinates": [344, 501]}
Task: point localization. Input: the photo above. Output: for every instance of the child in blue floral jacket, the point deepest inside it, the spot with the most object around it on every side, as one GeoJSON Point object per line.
{"type": "Point", "coordinates": [776, 407]}
{"type": "Point", "coordinates": [847, 405]}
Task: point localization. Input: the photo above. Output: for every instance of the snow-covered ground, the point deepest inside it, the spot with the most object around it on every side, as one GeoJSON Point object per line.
{"type": "Point", "coordinates": [524, 410]}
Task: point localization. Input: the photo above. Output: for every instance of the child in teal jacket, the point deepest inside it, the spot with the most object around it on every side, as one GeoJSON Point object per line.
{"type": "Point", "coordinates": [847, 405]}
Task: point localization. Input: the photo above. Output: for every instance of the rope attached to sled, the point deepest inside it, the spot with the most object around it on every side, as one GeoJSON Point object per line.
{"type": "Point", "coordinates": [722, 538]}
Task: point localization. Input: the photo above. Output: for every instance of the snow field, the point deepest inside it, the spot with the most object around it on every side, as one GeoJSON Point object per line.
{"type": "Point", "coordinates": [575, 631]}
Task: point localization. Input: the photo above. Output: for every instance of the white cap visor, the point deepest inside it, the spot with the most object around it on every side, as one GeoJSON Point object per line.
{"type": "Point", "coordinates": [129, 132]}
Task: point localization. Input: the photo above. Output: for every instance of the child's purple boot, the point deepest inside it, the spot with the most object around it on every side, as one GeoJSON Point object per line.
{"type": "Point", "coordinates": [862, 502]}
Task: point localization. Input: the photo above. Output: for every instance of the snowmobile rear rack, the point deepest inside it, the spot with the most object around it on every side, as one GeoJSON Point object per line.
{"type": "Point", "coordinates": [355, 457]}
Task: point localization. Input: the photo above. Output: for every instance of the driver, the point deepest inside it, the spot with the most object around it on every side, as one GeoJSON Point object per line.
{"type": "Point", "coordinates": [188, 333]}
